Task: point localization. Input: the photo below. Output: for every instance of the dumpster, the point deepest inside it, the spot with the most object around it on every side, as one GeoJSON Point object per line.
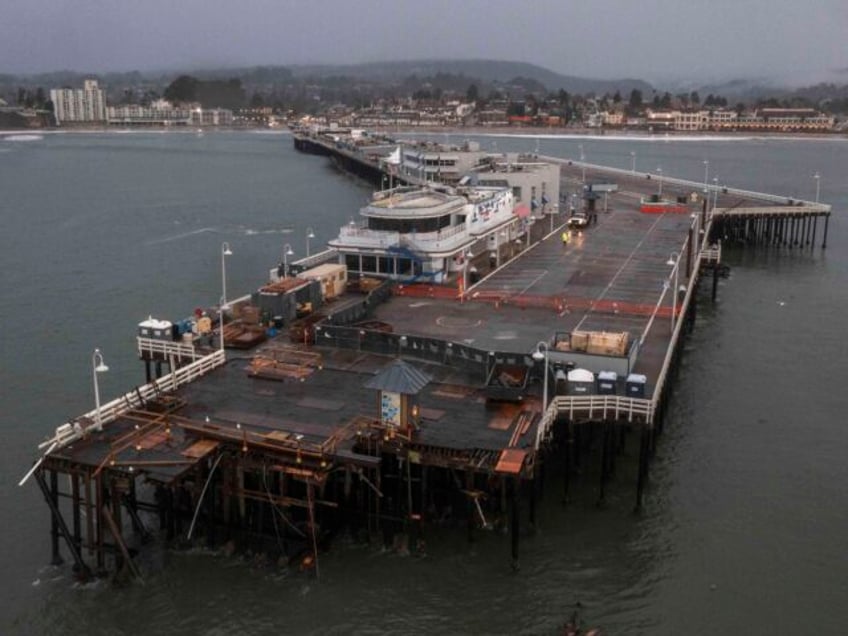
{"type": "Point", "coordinates": [635, 385]}
{"type": "Point", "coordinates": [607, 382]}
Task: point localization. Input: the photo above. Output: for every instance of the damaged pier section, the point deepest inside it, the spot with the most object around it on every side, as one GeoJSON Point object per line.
{"type": "Point", "coordinates": [398, 405]}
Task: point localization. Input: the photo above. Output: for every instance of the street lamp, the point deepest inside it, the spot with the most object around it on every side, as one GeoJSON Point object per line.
{"type": "Point", "coordinates": [221, 307]}
{"type": "Point", "coordinates": [817, 177]}
{"type": "Point", "coordinates": [633, 161]}
{"type": "Point", "coordinates": [97, 366]}
{"type": "Point", "coordinates": [225, 252]}
{"type": "Point", "coordinates": [582, 161]}
{"type": "Point", "coordinates": [287, 251]}
{"type": "Point", "coordinates": [466, 265]}
{"type": "Point", "coordinates": [715, 192]}
{"type": "Point", "coordinates": [309, 235]}
{"type": "Point", "coordinates": [659, 172]}
{"type": "Point", "coordinates": [695, 237]}
{"type": "Point", "coordinates": [674, 261]}
{"type": "Point", "coordinates": [538, 356]}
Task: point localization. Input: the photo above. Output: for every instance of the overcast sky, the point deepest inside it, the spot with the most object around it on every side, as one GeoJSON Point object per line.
{"type": "Point", "coordinates": [702, 39]}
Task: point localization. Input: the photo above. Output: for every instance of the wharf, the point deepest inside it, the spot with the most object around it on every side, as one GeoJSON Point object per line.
{"type": "Point", "coordinates": [295, 434]}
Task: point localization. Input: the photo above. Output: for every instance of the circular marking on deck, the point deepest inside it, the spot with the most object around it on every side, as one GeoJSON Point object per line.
{"type": "Point", "coordinates": [457, 322]}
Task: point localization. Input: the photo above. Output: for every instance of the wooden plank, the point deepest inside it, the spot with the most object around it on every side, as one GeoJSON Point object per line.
{"type": "Point", "coordinates": [510, 461]}
{"type": "Point", "coordinates": [200, 448]}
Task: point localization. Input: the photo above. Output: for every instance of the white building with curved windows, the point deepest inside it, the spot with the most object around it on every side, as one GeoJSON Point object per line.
{"type": "Point", "coordinates": [429, 234]}
{"type": "Point", "coordinates": [79, 105]}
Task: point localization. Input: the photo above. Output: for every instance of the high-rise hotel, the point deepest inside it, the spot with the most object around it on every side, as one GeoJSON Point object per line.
{"type": "Point", "coordinates": [74, 105]}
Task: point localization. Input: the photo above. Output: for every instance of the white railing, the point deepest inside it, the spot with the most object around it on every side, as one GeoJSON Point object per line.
{"type": "Point", "coordinates": [699, 185]}
{"type": "Point", "coordinates": [594, 406]}
{"type": "Point", "coordinates": [368, 238]}
{"type": "Point", "coordinates": [74, 430]}
{"type": "Point", "coordinates": [166, 348]}
{"type": "Point", "coordinates": [447, 239]}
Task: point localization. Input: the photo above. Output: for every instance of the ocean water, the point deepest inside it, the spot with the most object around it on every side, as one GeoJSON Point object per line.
{"type": "Point", "coordinates": [746, 512]}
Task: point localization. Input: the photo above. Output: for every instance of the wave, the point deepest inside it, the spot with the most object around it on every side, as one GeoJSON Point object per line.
{"type": "Point", "coordinates": [252, 232]}
{"type": "Point", "coordinates": [23, 137]}
{"type": "Point", "coordinates": [177, 237]}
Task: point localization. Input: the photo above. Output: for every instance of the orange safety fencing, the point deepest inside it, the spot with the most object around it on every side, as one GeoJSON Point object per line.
{"type": "Point", "coordinates": [558, 304]}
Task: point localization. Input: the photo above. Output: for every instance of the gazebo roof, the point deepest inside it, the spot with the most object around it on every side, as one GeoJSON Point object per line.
{"type": "Point", "coordinates": [399, 377]}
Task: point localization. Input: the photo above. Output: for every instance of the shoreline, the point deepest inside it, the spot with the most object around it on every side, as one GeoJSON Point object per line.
{"type": "Point", "coordinates": [501, 131]}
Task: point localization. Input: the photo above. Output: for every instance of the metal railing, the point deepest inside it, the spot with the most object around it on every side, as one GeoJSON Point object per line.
{"type": "Point", "coordinates": [606, 407]}
{"type": "Point", "coordinates": [76, 428]}
{"type": "Point", "coordinates": [166, 348]}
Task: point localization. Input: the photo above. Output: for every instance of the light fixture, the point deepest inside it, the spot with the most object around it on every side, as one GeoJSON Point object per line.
{"type": "Point", "coordinates": [97, 366]}
{"type": "Point", "coordinates": [225, 252]}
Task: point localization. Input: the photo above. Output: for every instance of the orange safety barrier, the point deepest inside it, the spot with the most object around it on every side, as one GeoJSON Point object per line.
{"type": "Point", "coordinates": [558, 304]}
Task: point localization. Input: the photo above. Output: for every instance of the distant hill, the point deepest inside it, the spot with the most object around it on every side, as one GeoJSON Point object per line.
{"type": "Point", "coordinates": [490, 71]}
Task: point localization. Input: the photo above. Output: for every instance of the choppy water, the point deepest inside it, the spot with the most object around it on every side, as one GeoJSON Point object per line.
{"type": "Point", "coordinates": [745, 521]}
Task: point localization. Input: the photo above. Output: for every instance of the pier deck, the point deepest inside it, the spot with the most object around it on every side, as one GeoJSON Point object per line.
{"type": "Point", "coordinates": [293, 425]}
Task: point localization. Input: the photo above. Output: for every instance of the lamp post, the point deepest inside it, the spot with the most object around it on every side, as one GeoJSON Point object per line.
{"type": "Point", "coordinates": [309, 235]}
{"type": "Point", "coordinates": [633, 161]}
{"type": "Point", "coordinates": [706, 173]}
{"type": "Point", "coordinates": [715, 193]}
{"type": "Point", "coordinates": [582, 162]}
{"type": "Point", "coordinates": [659, 172]}
{"type": "Point", "coordinates": [466, 265]}
{"type": "Point", "coordinates": [225, 252]}
{"type": "Point", "coordinates": [221, 306]}
{"type": "Point", "coordinates": [538, 356]}
{"type": "Point", "coordinates": [287, 251]}
{"type": "Point", "coordinates": [695, 237]}
{"type": "Point", "coordinates": [674, 261]}
{"type": "Point", "coordinates": [97, 366]}
{"type": "Point", "coordinates": [817, 177]}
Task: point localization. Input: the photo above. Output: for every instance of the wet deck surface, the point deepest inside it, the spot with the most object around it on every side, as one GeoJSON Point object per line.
{"type": "Point", "coordinates": [619, 263]}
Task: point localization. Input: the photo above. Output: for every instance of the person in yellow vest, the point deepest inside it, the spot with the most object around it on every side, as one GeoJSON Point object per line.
{"type": "Point", "coordinates": [204, 329]}
{"type": "Point", "coordinates": [566, 236]}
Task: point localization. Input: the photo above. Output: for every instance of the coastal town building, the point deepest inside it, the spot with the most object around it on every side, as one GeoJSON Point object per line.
{"type": "Point", "coordinates": [79, 105]}
{"type": "Point", "coordinates": [210, 117]}
{"type": "Point", "coordinates": [159, 113]}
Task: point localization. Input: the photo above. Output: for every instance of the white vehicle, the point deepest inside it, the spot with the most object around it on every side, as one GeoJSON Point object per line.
{"type": "Point", "coordinates": [578, 220]}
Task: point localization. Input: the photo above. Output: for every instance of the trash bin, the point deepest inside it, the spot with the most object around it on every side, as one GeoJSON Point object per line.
{"type": "Point", "coordinates": [635, 385]}
{"type": "Point", "coordinates": [607, 382]}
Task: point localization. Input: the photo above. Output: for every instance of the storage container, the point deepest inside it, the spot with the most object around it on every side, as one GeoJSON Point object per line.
{"type": "Point", "coordinates": [607, 382]}
{"type": "Point", "coordinates": [635, 385]}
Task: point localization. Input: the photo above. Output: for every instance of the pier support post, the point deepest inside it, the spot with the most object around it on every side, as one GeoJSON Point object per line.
{"type": "Point", "coordinates": [75, 514]}
{"type": "Point", "coordinates": [471, 508]}
{"type": "Point", "coordinates": [644, 456]}
{"type": "Point", "coordinates": [56, 558]}
{"type": "Point", "coordinates": [826, 224]}
{"type": "Point", "coordinates": [605, 461]}
{"type": "Point", "coordinates": [61, 527]}
{"type": "Point", "coordinates": [715, 281]}
{"type": "Point", "coordinates": [815, 227]}
{"type": "Point", "coordinates": [515, 520]}
{"type": "Point", "coordinates": [568, 444]}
